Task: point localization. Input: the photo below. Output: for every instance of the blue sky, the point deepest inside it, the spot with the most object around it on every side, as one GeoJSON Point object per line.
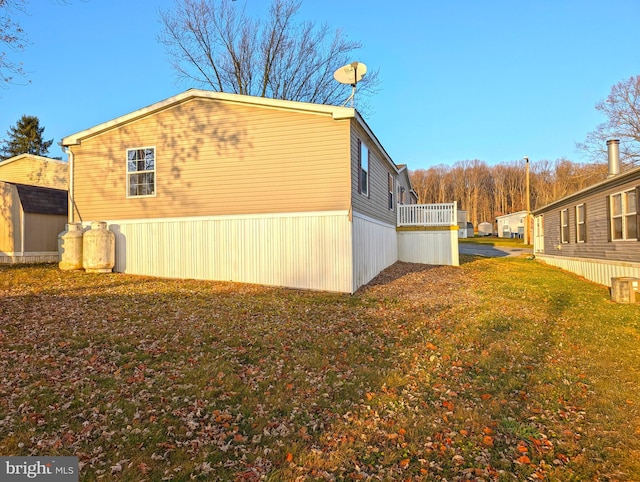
{"type": "Point", "coordinates": [461, 79]}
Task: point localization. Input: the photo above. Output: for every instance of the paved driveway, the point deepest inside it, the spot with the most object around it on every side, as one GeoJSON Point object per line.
{"type": "Point", "coordinates": [491, 251]}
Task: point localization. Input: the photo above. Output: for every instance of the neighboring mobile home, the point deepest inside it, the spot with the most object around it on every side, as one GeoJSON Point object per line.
{"type": "Point", "coordinates": [511, 225]}
{"type": "Point", "coordinates": [405, 194]}
{"type": "Point", "coordinates": [220, 186]}
{"type": "Point", "coordinates": [594, 232]}
{"type": "Point", "coordinates": [33, 208]}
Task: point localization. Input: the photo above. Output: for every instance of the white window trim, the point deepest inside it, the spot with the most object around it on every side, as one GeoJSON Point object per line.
{"type": "Point", "coordinates": [127, 173]}
{"type": "Point", "coordinates": [364, 161]}
{"type": "Point", "coordinates": [562, 227]}
{"type": "Point", "coordinates": [578, 223]}
{"type": "Point", "coordinates": [392, 196]}
{"type": "Point", "coordinates": [624, 213]}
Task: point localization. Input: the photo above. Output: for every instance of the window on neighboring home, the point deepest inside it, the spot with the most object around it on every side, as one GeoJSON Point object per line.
{"type": "Point", "coordinates": [141, 172]}
{"type": "Point", "coordinates": [402, 195]}
{"type": "Point", "coordinates": [390, 188]}
{"type": "Point", "coordinates": [564, 226]}
{"type": "Point", "coordinates": [363, 179]}
{"type": "Point", "coordinates": [623, 214]}
{"type": "Point", "coordinates": [581, 223]}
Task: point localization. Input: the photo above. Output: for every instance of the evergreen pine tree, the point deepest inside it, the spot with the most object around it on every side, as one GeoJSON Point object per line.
{"type": "Point", "coordinates": [25, 138]}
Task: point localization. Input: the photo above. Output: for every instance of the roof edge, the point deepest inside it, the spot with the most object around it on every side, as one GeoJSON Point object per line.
{"type": "Point", "coordinates": [31, 156]}
{"type": "Point", "coordinates": [375, 140]}
{"type": "Point", "coordinates": [335, 111]}
{"type": "Point", "coordinates": [622, 177]}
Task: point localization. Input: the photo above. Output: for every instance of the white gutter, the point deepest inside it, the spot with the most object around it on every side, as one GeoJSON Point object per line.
{"type": "Point", "coordinates": [21, 230]}
{"type": "Point", "coordinates": [70, 189]}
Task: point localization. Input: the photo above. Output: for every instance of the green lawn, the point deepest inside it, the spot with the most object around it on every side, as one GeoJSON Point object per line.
{"type": "Point", "coordinates": [501, 369]}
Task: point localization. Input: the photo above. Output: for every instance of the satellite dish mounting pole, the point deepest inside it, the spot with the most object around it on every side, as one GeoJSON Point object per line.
{"type": "Point", "coordinates": [353, 86]}
{"type": "Point", "coordinates": [348, 74]}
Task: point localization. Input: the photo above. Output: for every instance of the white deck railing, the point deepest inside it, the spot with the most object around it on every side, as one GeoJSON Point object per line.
{"type": "Point", "coordinates": [427, 214]}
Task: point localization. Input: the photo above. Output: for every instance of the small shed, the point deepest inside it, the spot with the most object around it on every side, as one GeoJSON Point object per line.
{"type": "Point", "coordinates": [30, 219]}
{"type": "Point", "coordinates": [485, 229]}
{"type": "Point", "coordinates": [33, 208]}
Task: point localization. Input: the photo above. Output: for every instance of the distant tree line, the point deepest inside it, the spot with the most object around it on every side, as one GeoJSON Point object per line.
{"type": "Point", "coordinates": [488, 191]}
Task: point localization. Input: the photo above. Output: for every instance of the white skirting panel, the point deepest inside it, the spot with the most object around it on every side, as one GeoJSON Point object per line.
{"type": "Point", "coordinates": [375, 246]}
{"type": "Point", "coordinates": [596, 270]}
{"type": "Point", "coordinates": [429, 247]}
{"type": "Point", "coordinates": [309, 250]}
{"type": "Point", "coordinates": [23, 258]}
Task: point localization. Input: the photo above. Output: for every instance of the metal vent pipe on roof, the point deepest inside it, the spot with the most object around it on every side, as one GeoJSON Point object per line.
{"type": "Point", "coordinates": [613, 151]}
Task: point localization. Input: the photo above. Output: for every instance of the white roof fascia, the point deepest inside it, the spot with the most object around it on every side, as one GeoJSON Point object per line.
{"type": "Point", "coordinates": [375, 140]}
{"type": "Point", "coordinates": [336, 112]}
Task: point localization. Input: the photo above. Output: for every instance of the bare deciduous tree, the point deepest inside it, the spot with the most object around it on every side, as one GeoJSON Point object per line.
{"type": "Point", "coordinates": [214, 43]}
{"type": "Point", "coordinates": [12, 39]}
{"type": "Point", "coordinates": [622, 110]}
{"type": "Point", "coordinates": [489, 191]}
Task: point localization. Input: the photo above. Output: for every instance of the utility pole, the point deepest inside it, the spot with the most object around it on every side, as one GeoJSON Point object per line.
{"type": "Point", "coordinates": [527, 224]}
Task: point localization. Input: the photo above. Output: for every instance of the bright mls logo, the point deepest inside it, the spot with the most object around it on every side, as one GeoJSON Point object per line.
{"type": "Point", "coordinates": [51, 469]}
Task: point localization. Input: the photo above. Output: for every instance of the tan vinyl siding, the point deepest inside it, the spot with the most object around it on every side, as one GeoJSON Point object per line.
{"type": "Point", "coordinates": [375, 205]}
{"type": "Point", "coordinates": [215, 158]}
{"type": "Point", "coordinates": [36, 171]}
{"type": "Point", "coordinates": [10, 212]}
{"type": "Point", "coordinates": [41, 231]}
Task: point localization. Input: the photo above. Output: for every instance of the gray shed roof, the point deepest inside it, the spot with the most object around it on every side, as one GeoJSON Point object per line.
{"type": "Point", "coordinates": [42, 200]}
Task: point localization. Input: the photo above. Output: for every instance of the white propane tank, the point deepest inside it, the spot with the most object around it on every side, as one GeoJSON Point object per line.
{"type": "Point", "coordinates": [70, 247]}
{"type": "Point", "coordinates": [98, 249]}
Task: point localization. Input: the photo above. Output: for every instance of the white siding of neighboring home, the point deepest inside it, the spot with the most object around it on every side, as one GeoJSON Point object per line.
{"type": "Point", "coordinates": [596, 270]}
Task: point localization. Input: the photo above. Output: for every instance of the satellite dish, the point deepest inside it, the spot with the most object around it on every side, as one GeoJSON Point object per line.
{"type": "Point", "coordinates": [350, 74]}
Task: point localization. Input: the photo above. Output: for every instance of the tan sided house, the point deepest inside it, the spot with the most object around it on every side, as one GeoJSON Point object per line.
{"type": "Point", "coordinates": [219, 186]}
{"type": "Point", "coordinates": [33, 208]}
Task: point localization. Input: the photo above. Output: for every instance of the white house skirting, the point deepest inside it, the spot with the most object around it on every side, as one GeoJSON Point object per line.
{"type": "Point", "coordinates": [308, 250]}
{"type": "Point", "coordinates": [429, 247]}
{"type": "Point", "coordinates": [596, 270]}
{"type": "Point", "coordinates": [375, 246]}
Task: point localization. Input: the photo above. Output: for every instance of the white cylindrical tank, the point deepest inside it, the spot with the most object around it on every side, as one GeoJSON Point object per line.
{"type": "Point", "coordinates": [70, 247]}
{"type": "Point", "coordinates": [98, 249]}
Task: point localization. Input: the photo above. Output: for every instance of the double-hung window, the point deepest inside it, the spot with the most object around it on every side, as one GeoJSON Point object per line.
{"type": "Point", "coordinates": [390, 182]}
{"type": "Point", "coordinates": [141, 172]}
{"type": "Point", "coordinates": [623, 216]}
{"type": "Point", "coordinates": [402, 195]}
{"type": "Point", "coordinates": [564, 226]}
{"type": "Point", "coordinates": [581, 223]}
{"type": "Point", "coordinates": [363, 180]}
